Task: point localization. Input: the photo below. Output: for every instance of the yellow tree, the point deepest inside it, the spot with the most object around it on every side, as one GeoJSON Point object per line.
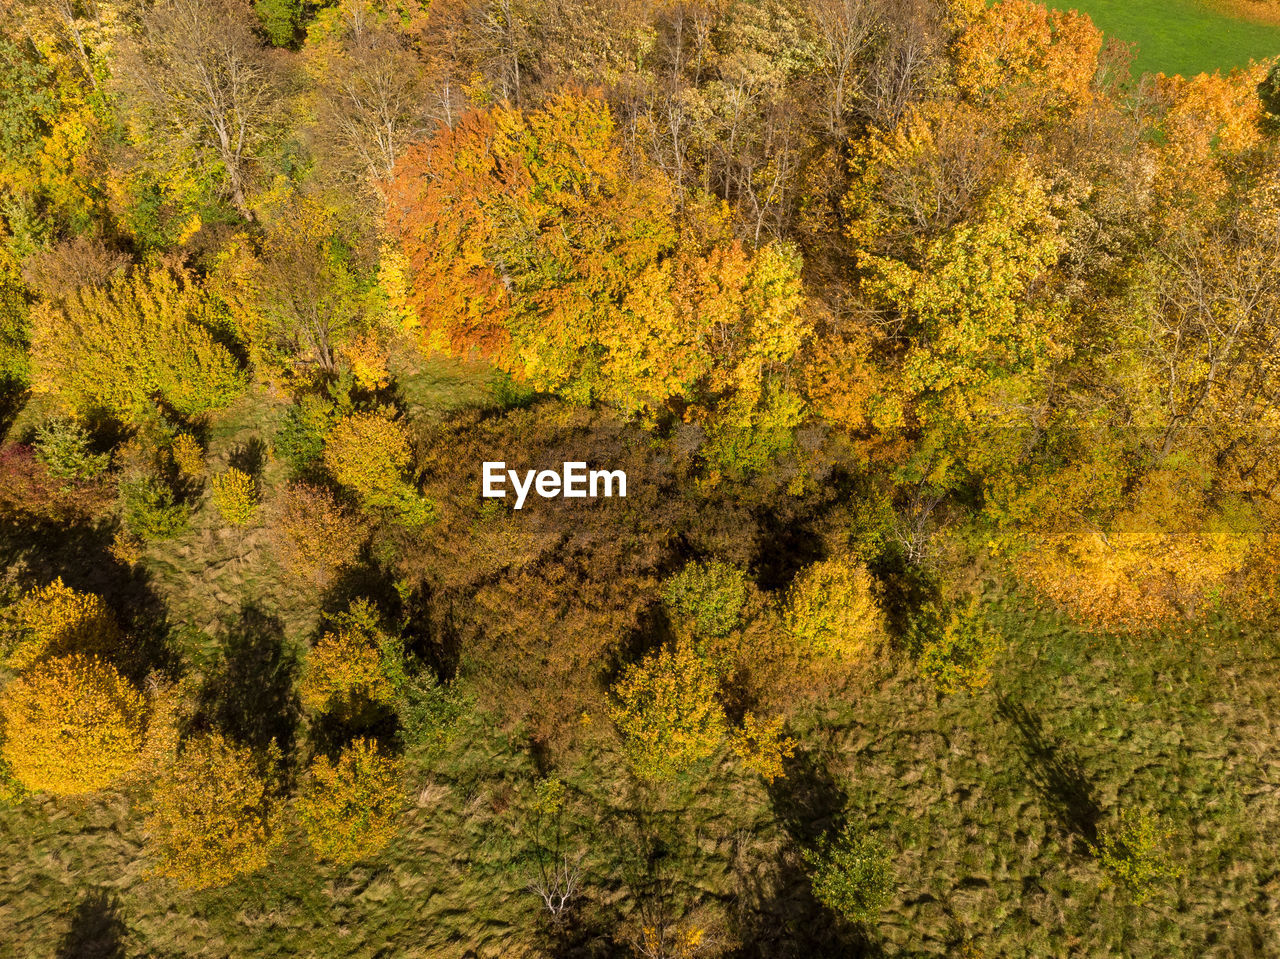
{"type": "Point", "coordinates": [212, 815]}
{"type": "Point", "coordinates": [348, 809]}
{"type": "Point", "coordinates": [72, 725]}
{"type": "Point", "coordinates": [666, 709]}
{"type": "Point", "coordinates": [58, 620]}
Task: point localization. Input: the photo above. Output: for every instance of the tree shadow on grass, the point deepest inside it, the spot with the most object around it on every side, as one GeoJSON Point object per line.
{"type": "Point", "coordinates": [1056, 772]}
{"type": "Point", "coordinates": [249, 693]}
{"type": "Point", "coordinates": [97, 929]}
{"type": "Point", "coordinates": [779, 918]}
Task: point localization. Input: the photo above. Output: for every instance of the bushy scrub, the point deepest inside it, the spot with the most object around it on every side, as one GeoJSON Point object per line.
{"type": "Point", "coordinates": [348, 809]}
{"type": "Point", "coordinates": [188, 456]}
{"type": "Point", "coordinates": [852, 875]}
{"type": "Point", "coordinates": [300, 441]}
{"type": "Point", "coordinates": [761, 746]}
{"type": "Point", "coordinates": [369, 453]}
{"type": "Point", "coordinates": [353, 666]}
{"type": "Point", "coordinates": [708, 596]}
{"type": "Point", "coordinates": [65, 447]}
{"type": "Point", "coordinates": [832, 611]}
{"type": "Point", "coordinates": [150, 510]}
{"type": "Point", "coordinates": [665, 708]}
{"type": "Point", "coordinates": [954, 649]}
{"type": "Point", "coordinates": [55, 620]}
{"type": "Point", "coordinates": [314, 534]}
{"type": "Point", "coordinates": [235, 495]}
{"type": "Point", "coordinates": [1134, 854]}
{"type": "Point", "coordinates": [212, 815]}
{"type": "Point", "coordinates": [72, 725]}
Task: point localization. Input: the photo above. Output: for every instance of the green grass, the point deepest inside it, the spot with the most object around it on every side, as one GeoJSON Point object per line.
{"type": "Point", "coordinates": [985, 800]}
{"type": "Point", "coordinates": [1180, 36]}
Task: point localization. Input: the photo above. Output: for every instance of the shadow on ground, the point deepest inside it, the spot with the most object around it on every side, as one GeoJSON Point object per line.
{"type": "Point", "coordinates": [97, 929]}
{"type": "Point", "coordinates": [1056, 772]}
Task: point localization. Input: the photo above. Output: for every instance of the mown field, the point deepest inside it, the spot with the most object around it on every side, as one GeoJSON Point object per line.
{"type": "Point", "coordinates": [987, 801]}
{"type": "Point", "coordinates": [1181, 36]}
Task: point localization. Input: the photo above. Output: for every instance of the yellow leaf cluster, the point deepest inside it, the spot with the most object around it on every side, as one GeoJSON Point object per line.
{"type": "Point", "coordinates": [832, 612]}
{"type": "Point", "coordinates": [72, 725]}
{"type": "Point", "coordinates": [344, 668]}
{"type": "Point", "coordinates": [666, 709]}
{"type": "Point", "coordinates": [348, 809]}
{"type": "Point", "coordinates": [56, 620]}
{"type": "Point", "coordinates": [188, 455]}
{"type": "Point", "coordinates": [369, 453]}
{"type": "Point", "coordinates": [235, 495]}
{"type": "Point", "coordinates": [761, 746]}
{"type": "Point", "coordinates": [212, 816]}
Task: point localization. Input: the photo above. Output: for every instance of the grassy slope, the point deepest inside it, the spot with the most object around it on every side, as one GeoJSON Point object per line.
{"type": "Point", "coordinates": [1180, 36]}
{"type": "Point", "coordinates": [988, 801]}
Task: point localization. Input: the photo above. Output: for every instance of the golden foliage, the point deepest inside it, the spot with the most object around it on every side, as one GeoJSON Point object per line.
{"type": "Point", "coordinates": [72, 725]}
{"type": "Point", "coordinates": [212, 816]}
{"type": "Point", "coordinates": [235, 495]}
{"type": "Point", "coordinates": [666, 709]}
{"type": "Point", "coordinates": [56, 620]}
{"type": "Point", "coordinates": [345, 668]}
{"type": "Point", "coordinates": [1023, 56]}
{"type": "Point", "coordinates": [146, 334]}
{"type": "Point", "coordinates": [832, 612]}
{"type": "Point", "coordinates": [761, 746]}
{"type": "Point", "coordinates": [348, 809]}
{"type": "Point", "coordinates": [188, 456]}
{"type": "Point", "coordinates": [366, 355]}
{"type": "Point", "coordinates": [369, 453]}
{"type": "Point", "coordinates": [314, 534]}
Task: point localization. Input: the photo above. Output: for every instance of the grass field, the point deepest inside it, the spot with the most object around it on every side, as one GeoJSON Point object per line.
{"type": "Point", "coordinates": [988, 802]}
{"type": "Point", "coordinates": [1180, 36]}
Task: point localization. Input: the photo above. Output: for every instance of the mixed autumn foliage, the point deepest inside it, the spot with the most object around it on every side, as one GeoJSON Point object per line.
{"type": "Point", "coordinates": [868, 298]}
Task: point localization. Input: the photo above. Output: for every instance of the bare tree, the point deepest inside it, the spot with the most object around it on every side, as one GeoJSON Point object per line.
{"type": "Point", "coordinates": [375, 100]}
{"type": "Point", "coordinates": [206, 82]}
{"type": "Point", "coordinates": [846, 30]}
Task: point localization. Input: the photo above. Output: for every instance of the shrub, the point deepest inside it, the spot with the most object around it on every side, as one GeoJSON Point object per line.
{"type": "Point", "coordinates": [954, 650]}
{"type": "Point", "coordinates": [72, 725]}
{"type": "Point", "coordinates": [351, 666]}
{"type": "Point", "coordinates": [348, 809]}
{"type": "Point", "coordinates": [367, 357]}
{"type": "Point", "coordinates": [57, 620]}
{"type": "Point", "coordinates": [149, 509]}
{"type": "Point", "coordinates": [761, 746]}
{"type": "Point", "coordinates": [314, 535]}
{"type": "Point", "coordinates": [212, 815]}
{"type": "Point", "coordinates": [1134, 854]}
{"type": "Point", "coordinates": [666, 710]}
{"type": "Point", "coordinates": [236, 496]}
{"type": "Point", "coordinates": [188, 456]}
{"type": "Point", "coordinates": [300, 441]}
{"type": "Point", "coordinates": [832, 612]}
{"type": "Point", "coordinates": [710, 596]}
{"type": "Point", "coordinates": [145, 334]}
{"type": "Point", "coordinates": [852, 876]}
{"type": "Point", "coordinates": [64, 446]}
{"type": "Point", "coordinates": [369, 453]}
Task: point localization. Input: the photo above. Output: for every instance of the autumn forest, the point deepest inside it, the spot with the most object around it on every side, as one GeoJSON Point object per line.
{"type": "Point", "coordinates": [938, 342]}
